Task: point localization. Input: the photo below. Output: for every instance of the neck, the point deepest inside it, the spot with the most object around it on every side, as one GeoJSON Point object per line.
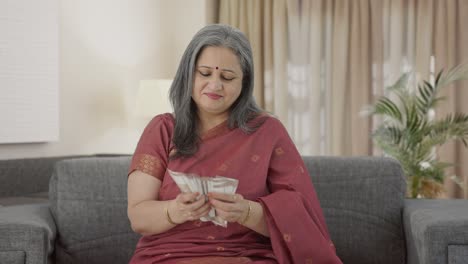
{"type": "Point", "coordinates": [207, 121]}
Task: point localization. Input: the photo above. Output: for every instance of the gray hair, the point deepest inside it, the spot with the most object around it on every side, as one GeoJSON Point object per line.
{"type": "Point", "coordinates": [243, 110]}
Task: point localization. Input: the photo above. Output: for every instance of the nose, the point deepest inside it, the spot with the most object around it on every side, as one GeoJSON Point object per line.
{"type": "Point", "coordinates": [215, 84]}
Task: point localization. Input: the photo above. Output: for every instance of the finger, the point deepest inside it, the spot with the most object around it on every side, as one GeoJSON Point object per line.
{"type": "Point", "coordinates": [222, 196]}
{"type": "Point", "coordinates": [203, 210]}
{"type": "Point", "coordinates": [232, 198]}
{"type": "Point", "coordinates": [188, 197]}
{"type": "Point", "coordinates": [225, 206]}
{"type": "Point", "coordinates": [190, 216]}
{"type": "Point", "coordinates": [185, 208]}
{"type": "Point", "coordinates": [195, 205]}
{"type": "Point", "coordinates": [207, 212]}
{"type": "Point", "coordinates": [221, 213]}
{"type": "Point", "coordinates": [228, 216]}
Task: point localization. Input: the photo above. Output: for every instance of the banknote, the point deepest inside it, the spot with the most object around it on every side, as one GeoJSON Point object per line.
{"type": "Point", "coordinates": [189, 182]}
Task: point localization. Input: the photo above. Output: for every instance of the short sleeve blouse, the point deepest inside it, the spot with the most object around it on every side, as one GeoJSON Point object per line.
{"type": "Point", "coordinates": [155, 144]}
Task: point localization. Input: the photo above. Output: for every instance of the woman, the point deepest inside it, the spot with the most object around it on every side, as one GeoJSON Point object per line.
{"type": "Point", "coordinates": [217, 129]}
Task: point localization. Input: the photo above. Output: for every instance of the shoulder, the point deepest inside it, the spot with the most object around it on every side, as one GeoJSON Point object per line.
{"type": "Point", "coordinates": [269, 121]}
{"type": "Point", "coordinates": [270, 125]}
{"type": "Point", "coordinates": [163, 121]}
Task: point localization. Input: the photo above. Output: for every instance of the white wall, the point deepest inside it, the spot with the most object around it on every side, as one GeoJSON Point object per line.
{"type": "Point", "coordinates": [106, 47]}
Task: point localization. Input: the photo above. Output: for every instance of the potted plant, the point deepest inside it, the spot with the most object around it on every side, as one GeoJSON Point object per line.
{"type": "Point", "coordinates": [410, 133]}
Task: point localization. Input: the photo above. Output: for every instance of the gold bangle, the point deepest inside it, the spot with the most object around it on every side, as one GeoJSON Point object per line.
{"type": "Point", "coordinates": [169, 217]}
{"type": "Point", "coordinates": [248, 214]}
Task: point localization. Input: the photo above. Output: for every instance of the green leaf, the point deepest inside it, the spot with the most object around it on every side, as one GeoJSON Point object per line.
{"type": "Point", "coordinates": [437, 79]}
{"type": "Point", "coordinates": [386, 107]}
{"type": "Point", "coordinates": [407, 135]}
{"type": "Point", "coordinates": [401, 83]}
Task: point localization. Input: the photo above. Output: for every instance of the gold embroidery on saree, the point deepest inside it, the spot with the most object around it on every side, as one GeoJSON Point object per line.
{"type": "Point", "coordinates": [149, 165]}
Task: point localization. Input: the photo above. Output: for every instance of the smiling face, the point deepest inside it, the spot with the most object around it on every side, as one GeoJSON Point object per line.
{"type": "Point", "coordinates": [217, 83]}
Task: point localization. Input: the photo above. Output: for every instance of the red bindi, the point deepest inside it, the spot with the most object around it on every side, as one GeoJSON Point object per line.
{"type": "Point", "coordinates": [216, 67]}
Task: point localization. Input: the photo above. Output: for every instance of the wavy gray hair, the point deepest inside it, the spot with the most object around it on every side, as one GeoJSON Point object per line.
{"type": "Point", "coordinates": [243, 110]}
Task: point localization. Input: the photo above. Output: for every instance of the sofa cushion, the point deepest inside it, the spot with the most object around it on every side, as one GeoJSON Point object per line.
{"type": "Point", "coordinates": [88, 199]}
{"type": "Point", "coordinates": [30, 175]}
{"type": "Point", "coordinates": [35, 198]}
{"type": "Point", "coordinates": [25, 176]}
{"type": "Point", "coordinates": [362, 199]}
{"type": "Point", "coordinates": [12, 257]}
{"type": "Point", "coordinates": [457, 254]}
{"type": "Point", "coordinates": [27, 233]}
{"type": "Point", "coordinates": [437, 230]}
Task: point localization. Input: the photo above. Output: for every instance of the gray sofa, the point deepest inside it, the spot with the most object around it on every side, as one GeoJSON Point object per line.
{"type": "Point", "coordinates": [85, 221]}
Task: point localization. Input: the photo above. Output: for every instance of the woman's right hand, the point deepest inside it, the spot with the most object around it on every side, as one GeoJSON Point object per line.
{"type": "Point", "coordinates": [186, 207]}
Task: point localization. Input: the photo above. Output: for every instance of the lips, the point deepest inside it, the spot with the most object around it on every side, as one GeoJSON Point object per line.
{"type": "Point", "coordinates": [213, 96]}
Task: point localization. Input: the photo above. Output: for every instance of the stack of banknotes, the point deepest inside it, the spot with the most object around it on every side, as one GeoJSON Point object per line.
{"type": "Point", "coordinates": [188, 183]}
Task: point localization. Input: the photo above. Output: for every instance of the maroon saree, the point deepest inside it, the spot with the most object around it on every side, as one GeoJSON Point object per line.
{"type": "Point", "coordinates": [270, 171]}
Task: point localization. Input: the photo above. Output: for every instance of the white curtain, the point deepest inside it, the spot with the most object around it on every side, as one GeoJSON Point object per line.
{"type": "Point", "coordinates": [329, 76]}
{"type": "Point", "coordinates": [319, 62]}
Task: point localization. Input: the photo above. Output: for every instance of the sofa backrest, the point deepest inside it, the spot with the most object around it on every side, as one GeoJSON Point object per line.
{"type": "Point", "coordinates": [31, 175]}
{"type": "Point", "coordinates": [362, 199]}
{"type": "Point", "coordinates": [26, 176]}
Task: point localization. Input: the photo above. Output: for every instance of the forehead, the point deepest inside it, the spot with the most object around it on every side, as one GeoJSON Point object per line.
{"type": "Point", "coordinates": [218, 57]}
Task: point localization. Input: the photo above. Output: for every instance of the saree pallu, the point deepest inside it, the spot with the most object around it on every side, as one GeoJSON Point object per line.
{"type": "Point", "coordinates": [270, 171]}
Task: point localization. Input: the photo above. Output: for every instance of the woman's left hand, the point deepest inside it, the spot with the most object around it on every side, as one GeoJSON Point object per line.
{"type": "Point", "coordinates": [230, 207]}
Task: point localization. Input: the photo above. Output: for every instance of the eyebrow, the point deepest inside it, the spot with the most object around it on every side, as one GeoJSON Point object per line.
{"type": "Point", "coordinates": [222, 69]}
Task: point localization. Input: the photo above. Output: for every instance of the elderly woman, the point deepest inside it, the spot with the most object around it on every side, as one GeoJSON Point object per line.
{"type": "Point", "coordinates": [217, 129]}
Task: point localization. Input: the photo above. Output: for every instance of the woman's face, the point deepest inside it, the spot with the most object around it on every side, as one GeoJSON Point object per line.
{"type": "Point", "coordinates": [218, 81]}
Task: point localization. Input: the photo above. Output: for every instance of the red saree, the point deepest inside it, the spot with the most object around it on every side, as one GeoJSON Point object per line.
{"type": "Point", "coordinates": [270, 171]}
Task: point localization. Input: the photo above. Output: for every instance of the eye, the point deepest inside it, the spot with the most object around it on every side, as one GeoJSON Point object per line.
{"type": "Point", "coordinates": [206, 74]}
{"type": "Point", "coordinates": [228, 78]}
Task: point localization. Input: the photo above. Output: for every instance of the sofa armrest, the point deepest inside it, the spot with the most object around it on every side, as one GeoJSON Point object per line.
{"type": "Point", "coordinates": [27, 234]}
{"type": "Point", "coordinates": [436, 231]}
